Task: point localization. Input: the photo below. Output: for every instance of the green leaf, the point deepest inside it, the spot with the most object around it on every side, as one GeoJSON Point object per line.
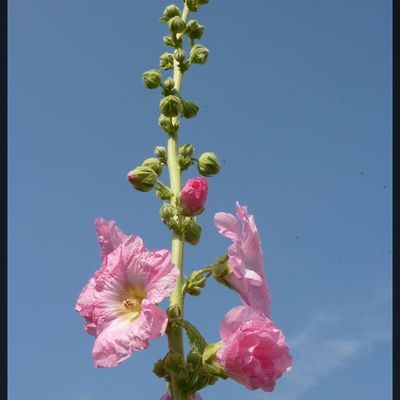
{"type": "Point", "coordinates": [195, 338]}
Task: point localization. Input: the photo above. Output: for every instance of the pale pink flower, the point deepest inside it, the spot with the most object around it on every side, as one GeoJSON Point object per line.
{"type": "Point", "coordinates": [253, 350]}
{"type": "Point", "coordinates": [194, 195]}
{"type": "Point", "coordinates": [246, 258]}
{"type": "Point", "coordinates": [119, 303]}
{"type": "Point", "coordinates": [194, 397]}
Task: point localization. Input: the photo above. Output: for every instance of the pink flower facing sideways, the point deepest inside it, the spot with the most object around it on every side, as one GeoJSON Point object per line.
{"type": "Point", "coordinates": [119, 302]}
{"type": "Point", "coordinates": [253, 350]}
{"type": "Point", "coordinates": [245, 257]}
{"type": "Point", "coordinates": [194, 195]}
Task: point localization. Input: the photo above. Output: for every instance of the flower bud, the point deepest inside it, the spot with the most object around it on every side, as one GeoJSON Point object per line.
{"type": "Point", "coordinates": [167, 212]}
{"type": "Point", "coordinates": [190, 109]}
{"type": "Point", "coordinates": [174, 312]}
{"type": "Point", "coordinates": [142, 178]}
{"type": "Point", "coordinates": [186, 150]}
{"type": "Point", "coordinates": [198, 54]}
{"type": "Point", "coordinates": [170, 12]}
{"type": "Point", "coordinates": [176, 25]}
{"type": "Point", "coordinates": [180, 55]}
{"type": "Point", "coordinates": [154, 164]}
{"type": "Point", "coordinates": [152, 79]}
{"type": "Point", "coordinates": [193, 196]}
{"type": "Point", "coordinates": [167, 125]}
{"type": "Point", "coordinates": [208, 164]}
{"type": "Point", "coordinates": [161, 153]}
{"type": "Point", "coordinates": [164, 193]}
{"type": "Point", "coordinates": [192, 234]}
{"type": "Point", "coordinates": [194, 30]}
{"type": "Point", "coordinates": [159, 369]}
{"type": "Point", "coordinates": [171, 106]}
{"type": "Point", "coordinates": [192, 5]}
{"type": "Point", "coordinates": [169, 84]}
{"type": "Point", "coordinates": [166, 61]}
{"type": "Point", "coordinates": [194, 358]}
{"type": "Point", "coordinates": [168, 41]}
{"type": "Point", "coordinates": [173, 360]}
{"type": "Point", "coordinates": [221, 267]}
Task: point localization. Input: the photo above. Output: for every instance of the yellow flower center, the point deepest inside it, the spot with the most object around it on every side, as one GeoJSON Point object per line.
{"type": "Point", "coordinates": [132, 303]}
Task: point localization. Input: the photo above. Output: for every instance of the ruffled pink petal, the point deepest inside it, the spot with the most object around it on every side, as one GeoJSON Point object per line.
{"type": "Point", "coordinates": [163, 277]}
{"type": "Point", "coordinates": [109, 236]}
{"type": "Point", "coordinates": [227, 225]}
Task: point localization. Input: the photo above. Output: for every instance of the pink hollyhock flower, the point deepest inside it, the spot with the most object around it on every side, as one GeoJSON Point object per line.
{"type": "Point", "coordinates": [194, 195]}
{"type": "Point", "coordinates": [253, 350]}
{"type": "Point", "coordinates": [119, 302]}
{"type": "Point", "coordinates": [245, 258]}
{"type": "Point", "coordinates": [194, 397]}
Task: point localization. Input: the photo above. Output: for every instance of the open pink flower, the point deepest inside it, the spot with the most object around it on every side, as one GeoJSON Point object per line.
{"type": "Point", "coordinates": [194, 397]}
{"type": "Point", "coordinates": [245, 257]}
{"type": "Point", "coordinates": [194, 195]}
{"type": "Point", "coordinates": [253, 350]}
{"type": "Point", "coordinates": [119, 302]}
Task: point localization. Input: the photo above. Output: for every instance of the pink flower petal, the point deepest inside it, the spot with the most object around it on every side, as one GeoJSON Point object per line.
{"type": "Point", "coordinates": [227, 225]}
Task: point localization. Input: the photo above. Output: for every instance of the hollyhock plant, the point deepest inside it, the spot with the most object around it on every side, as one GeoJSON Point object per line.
{"type": "Point", "coordinates": [253, 350]}
{"type": "Point", "coordinates": [120, 302]}
{"type": "Point", "coordinates": [194, 195]}
{"type": "Point", "coordinates": [245, 257]}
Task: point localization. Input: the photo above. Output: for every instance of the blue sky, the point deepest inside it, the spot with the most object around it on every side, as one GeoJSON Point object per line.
{"type": "Point", "coordinates": [295, 98]}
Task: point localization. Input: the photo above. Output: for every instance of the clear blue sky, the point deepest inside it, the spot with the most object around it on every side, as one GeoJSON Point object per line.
{"type": "Point", "coordinates": [296, 98]}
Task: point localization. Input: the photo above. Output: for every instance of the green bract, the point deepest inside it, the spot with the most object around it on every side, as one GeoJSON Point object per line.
{"type": "Point", "coordinates": [167, 61]}
{"type": "Point", "coordinates": [171, 106]}
{"type": "Point", "coordinates": [198, 54]}
{"type": "Point", "coordinates": [186, 150]}
{"type": "Point", "coordinates": [208, 164]}
{"type": "Point", "coordinates": [152, 79]}
{"type": "Point", "coordinates": [169, 84]}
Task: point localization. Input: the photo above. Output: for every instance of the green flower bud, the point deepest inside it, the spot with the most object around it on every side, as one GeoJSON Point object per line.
{"type": "Point", "coordinates": [198, 54]}
{"type": "Point", "coordinates": [173, 360]}
{"type": "Point", "coordinates": [166, 61]}
{"type": "Point", "coordinates": [174, 312]}
{"type": "Point", "coordinates": [142, 178]}
{"type": "Point", "coordinates": [167, 125]}
{"type": "Point", "coordinates": [180, 55]}
{"type": "Point", "coordinates": [167, 212]}
{"type": "Point", "coordinates": [154, 164]}
{"type": "Point", "coordinates": [171, 106]}
{"type": "Point", "coordinates": [208, 164]}
{"type": "Point", "coordinates": [194, 30]}
{"type": "Point", "coordinates": [192, 5]}
{"type": "Point", "coordinates": [168, 41]}
{"type": "Point", "coordinates": [193, 233]}
{"type": "Point", "coordinates": [194, 358]}
{"type": "Point", "coordinates": [186, 150]}
{"type": "Point", "coordinates": [190, 109]}
{"type": "Point", "coordinates": [169, 84]}
{"type": "Point", "coordinates": [152, 79]}
{"type": "Point", "coordinates": [182, 375]}
{"type": "Point", "coordinates": [159, 369]}
{"type": "Point", "coordinates": [170, 12]}
{"type": "Point", "coordinates": [161, 153]}
{"type": "Point", "coordinates": [164, 193]}
{"type": "Point", "coordinates": [176, 25]}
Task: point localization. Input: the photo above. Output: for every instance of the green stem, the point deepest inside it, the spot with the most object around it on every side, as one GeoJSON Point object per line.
{"type": "Point", "coordinates": [175, 335]}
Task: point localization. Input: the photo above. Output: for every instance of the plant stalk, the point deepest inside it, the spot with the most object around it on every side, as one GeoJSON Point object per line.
{"type": "Point", "coordinates": [175, 335]}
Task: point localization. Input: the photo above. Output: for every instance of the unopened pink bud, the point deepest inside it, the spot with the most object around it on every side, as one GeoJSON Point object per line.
{"type": "Point", "coordinates": [194, 196]}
